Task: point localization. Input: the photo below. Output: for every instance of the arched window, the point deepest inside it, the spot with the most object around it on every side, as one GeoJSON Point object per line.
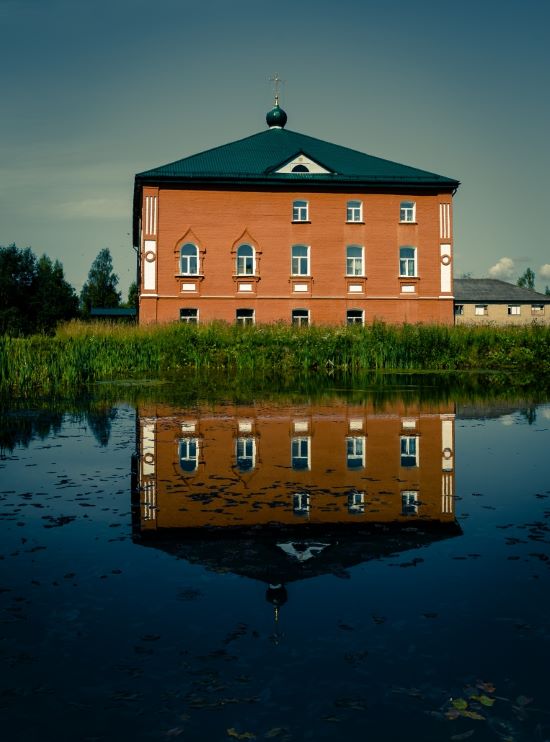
{"type": "Point", "coordinates": [245, 260]}
{"type": "Point", "coordinates": [300, 169]}
{"type": "Point", "coordinates": [189, 260]}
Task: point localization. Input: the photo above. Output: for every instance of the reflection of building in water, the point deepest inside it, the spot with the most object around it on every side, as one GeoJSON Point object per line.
{"type": "Point", "coordinates": [294, 465]}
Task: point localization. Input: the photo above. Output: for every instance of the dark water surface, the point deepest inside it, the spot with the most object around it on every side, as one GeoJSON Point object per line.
{"type": "Point", "coordinates": [285, 570]}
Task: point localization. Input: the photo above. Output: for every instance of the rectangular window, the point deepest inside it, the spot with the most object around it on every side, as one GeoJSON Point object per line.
{"type": "Point", "coordinates": [300, 503]}
{"type": "Point", "coordinates": [409, 450]}
{"type": "Point", "coordinates": [189, 315]}
{"type": "Point", "coordinates": [481, 310]}
{"type": "Point", "coordinates": [459, 309]}
{"type": "Point", "coordinates": [355, 317]}
{"type": "Point", "coordinates": [300, 211]}
{"type": "Point", "coordinates": [354, 211]}
{"type": "Point", "coordinates": [407, 211]}
{"type": "Point", "coordinates": [356, 503]}
{"type": "Point", "coordinates": [244, 316]}
{"type": "Point", "coordinates": [245, 453]}
{"type": "Point", "coordinates": [354, 260]}
{"type": "Point", "coordinates": [407, 261]}
{"type": "Point", "coordinates": [300, 453]}
{"type": "Point", "coordinates": [355, 452]}
{"type": "Point", "coordinates": [300, 260]}
{"type": "Point", "coordinates": [409, 502]}
{"type": "Point", "coordinates": [537, 309]}
{"type": "Point", "coordinates": [514, 309]}
{"type": "Point", "coordinates": [300, 317]}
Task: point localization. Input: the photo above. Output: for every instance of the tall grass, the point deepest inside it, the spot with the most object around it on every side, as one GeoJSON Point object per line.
{"type": "Point", "coordinates": [81, 353]}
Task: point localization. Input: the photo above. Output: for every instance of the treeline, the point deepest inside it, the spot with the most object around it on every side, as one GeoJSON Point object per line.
{"type": "Point", "coordinates": [35, 295]}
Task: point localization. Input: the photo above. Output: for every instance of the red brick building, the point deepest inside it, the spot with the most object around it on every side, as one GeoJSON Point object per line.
{"type": "Point", "coordinates": [280, 226]}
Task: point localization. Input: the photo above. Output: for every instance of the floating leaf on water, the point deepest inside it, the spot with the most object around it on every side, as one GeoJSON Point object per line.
{"type": "Point", "coordinates": [464, 735]}
{"type": "Point", "coordinates": [483, 699]}
{"type": "Point", "coordinates": [452, 714]}
{"type": "Point", "coordinates": [232, 732]}
{"type": "Point", "coordinates": [487, 687]}
{"type": "Point", "coordinates": [459, 703]}
{"type": "Point", "coordinates": [275, 732]}
{"type": "Point", "coordinates": [472, 715]}
{"type": "Point", "coordinates": [523, 701]}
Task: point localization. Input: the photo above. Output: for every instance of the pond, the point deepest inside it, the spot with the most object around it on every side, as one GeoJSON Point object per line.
{"type": "Point", "coordinates": [318, 567]}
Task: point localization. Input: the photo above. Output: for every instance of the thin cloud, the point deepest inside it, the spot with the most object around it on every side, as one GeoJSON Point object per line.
{"type": "Point", "coordinates": [503, 268]}
{"type": "Point", "coordinates": [93, 208]}
{"type": "Point", "coordinates": [544, 271]}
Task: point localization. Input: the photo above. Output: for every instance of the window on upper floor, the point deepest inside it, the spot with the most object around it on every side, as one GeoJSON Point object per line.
{"type": "Point", "coordinates": [189, 454]}
{"type": "Point", "coordinates": [300, 169]}
{"type": "Point", "coordinates": [246, 261]}
{"type": "Point", "coordinates": [514, 309]}
{"type": "Point", "coordinates": [407, 261]}
{"type": "Point", "coordinates": [300, 453]}
{"type": "Point", "coordinates": [355, 317]}
{"type": "Point", "coordinates": [300, 211]}
{"type": "Point", "coordinates": [245, 453]}
{"type": "Point", "coordinates": [481, 310]}
{"type": "Point", "coordinates": [355, 452]}
{"type": "Point", "coordinates": [300, 317]}
{"type": "Point", "coordinates": [300, 260]}
{"type": "Point", "coordinates": [189, 259]}
{"type": "Point", "coordinates": [356, 503]}
{"type": "Point", "coordinates": [189, 315]}
{"type": "Point", "coordinates": [354, 261]}
{"type": "Point", "coordinates": [244, 316]}
{"type": "Point", "coordinates": [409, 502]}
{"type": "Point", "coordinates": [407, 211]}
{"type": "Point", "coordinates": [354, 211]}
{"type": "Point", "coordinates": [409, 450]}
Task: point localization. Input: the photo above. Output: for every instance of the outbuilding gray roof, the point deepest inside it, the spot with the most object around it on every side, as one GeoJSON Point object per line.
{"type": "Point", "coordinates": [482, 290]}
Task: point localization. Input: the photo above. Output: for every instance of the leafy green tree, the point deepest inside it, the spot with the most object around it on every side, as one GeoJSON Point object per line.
{"type": "Point", "coordinates": [100, 290]}
{"type": "Point", "coordinates": [53, 299]}
{"type": "Point", "coordinates": [133, 296]}
{"type": "Point", "coordinates": [527, 280]}
{"type": "Point", "coordinates": [34, 295]}
{"type": "Point", "coordinates": [547, 291]}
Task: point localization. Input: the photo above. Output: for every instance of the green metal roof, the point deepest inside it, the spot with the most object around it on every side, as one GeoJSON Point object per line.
{"type": "Point", "coordinates": [255, 158]}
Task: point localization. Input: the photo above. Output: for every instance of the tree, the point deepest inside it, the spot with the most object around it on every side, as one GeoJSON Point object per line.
{"type": "Point", "coordinates": [34, 295]}
{"type": "Point", "coordinates": [133, 296]}
{"type": "Point", "coordinates": [547, 291]}
{"type": "Point", "coordinates": [527, 280]}
{"type": "Point", "coordinates": [100, 290]}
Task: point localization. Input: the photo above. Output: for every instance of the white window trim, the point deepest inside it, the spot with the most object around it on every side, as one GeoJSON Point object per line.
{"type": "Point", "coordinates": [354, 211]}
{"type": "Point", "coordinates": [247, 319]}
{"type": "Point", "coordinates": [184, 442]}
{"type": "Point", "coordinates": [243, 259]}
{"type": "Point", "coordinates": [298, 212]}
{"type": "Point", "coordinates": [354, 456]}
{"type": "Point", "coordinates": [408, 210]}
{"type": "Point", "coordinates": [188, 258]}
{"type": "Point", "coordinates": [190, 320]}
{"type": "Point", "coordinates": [362, 259]}
{"type": "Point", "coordinates": [300, 318]}
{"type": "Point", "coordinates": [514, 310]}
{"type": "Point", "coordinates": [300, 259]}
{"type": "Point", "coordinates": [481, 310]}
{"type": "Point", "coordinates": [298, 440]}
{"type": "Point", "coordinates": [244, 440]}
{"type": "Point", "coordinates": [414, 259]}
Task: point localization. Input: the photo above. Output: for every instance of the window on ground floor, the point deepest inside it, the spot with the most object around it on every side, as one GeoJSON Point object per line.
{"type": "Point", "coordinates": [537, 309]}
{"type": "Point", "coordinates": [481, 310]}
{"type": "Point", "coordinates": [355, 317]}
{"type": "Point", "coordinates": [190, 315]}
{"type": "Point", "coordinates": [244, 316]}
{"type": "Point", "coordinates": [300, 317]}
{"type": "Point", "coordinates": [409, 502]}
{"type": "Point", "coordinates": [459, 309]}
{"type": "Point", "coordinates": [356, 503]}
{"type": "Point", "coordinates": [514, 309]}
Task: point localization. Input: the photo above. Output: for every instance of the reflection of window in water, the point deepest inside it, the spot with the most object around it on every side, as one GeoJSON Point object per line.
{"type": "Point", "coordinates": [300, 453]}
{"type": "Point", "coordinates": [245, 452]}
{"type": "Point", "coordinates": [409, 502]}
{"type": "Point", "coordinates": [189, 454]}
{"type": "Point", "coordinates": [356, 502]}
{"type": "Point", "coordinates": [355, 447]}
{"type": "Point", "coordinates": [409, 450]}
{"type": "Point", "coordinates": [300, 503]}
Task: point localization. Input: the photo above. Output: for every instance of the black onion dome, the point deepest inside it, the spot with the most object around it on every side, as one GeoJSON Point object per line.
{"type": "Point", "coordinates": [276, 117]}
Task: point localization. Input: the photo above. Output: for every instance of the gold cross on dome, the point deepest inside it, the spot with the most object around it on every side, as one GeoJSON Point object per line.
{"type": "Point", "coordinates": [276, 80]}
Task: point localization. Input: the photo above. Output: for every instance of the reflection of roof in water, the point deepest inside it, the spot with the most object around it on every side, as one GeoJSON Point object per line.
{"type": "Point", "coordinates": [286, 554]}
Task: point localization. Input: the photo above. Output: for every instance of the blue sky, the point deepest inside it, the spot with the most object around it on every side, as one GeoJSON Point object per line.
{"type": "Point", "coordinates": [94, 91]}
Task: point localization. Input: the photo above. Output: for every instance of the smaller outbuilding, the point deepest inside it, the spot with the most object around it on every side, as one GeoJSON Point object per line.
{"type": "Point", "coordinates": [490, 301]}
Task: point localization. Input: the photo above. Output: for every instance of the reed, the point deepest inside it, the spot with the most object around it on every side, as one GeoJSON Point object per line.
{"type": "Point", "coordinates": [83, 353]}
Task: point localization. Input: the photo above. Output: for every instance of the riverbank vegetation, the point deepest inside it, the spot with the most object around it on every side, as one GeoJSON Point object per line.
{"type": "Point", "coordinates": [83, 353]}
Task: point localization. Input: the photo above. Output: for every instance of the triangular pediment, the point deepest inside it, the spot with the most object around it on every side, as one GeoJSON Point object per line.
{"type": "Point", "coordinates": [302, 164]}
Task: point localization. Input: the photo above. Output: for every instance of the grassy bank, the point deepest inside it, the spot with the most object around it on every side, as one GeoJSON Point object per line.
{"type": "Point", "coordinates": [80, 354]}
